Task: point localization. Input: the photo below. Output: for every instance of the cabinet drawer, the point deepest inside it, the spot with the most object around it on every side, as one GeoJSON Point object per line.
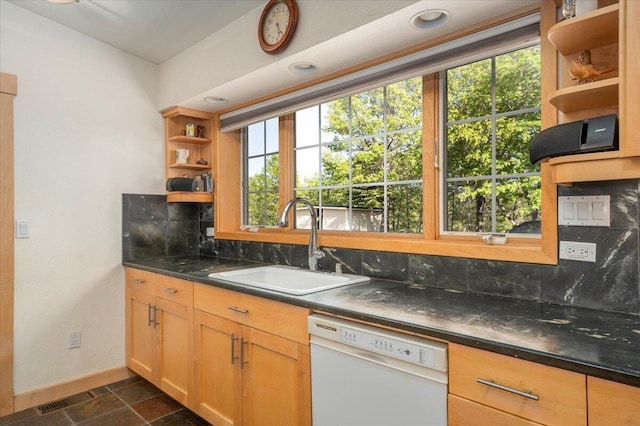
{"type": "Point", "coordinates": [267, 315]}
{"type": "Point", "coordinates": [140, 280]}
{"type": "Point", "coordinates": [174, 289]}
{"type": "Point", "coordinates": [561, 395]}
{"type": "Point", "coordinates": [463, 412]}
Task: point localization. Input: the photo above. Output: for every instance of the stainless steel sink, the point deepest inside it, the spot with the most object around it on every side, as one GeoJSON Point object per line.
{"type": "Point", "coordinates": [288, 279]}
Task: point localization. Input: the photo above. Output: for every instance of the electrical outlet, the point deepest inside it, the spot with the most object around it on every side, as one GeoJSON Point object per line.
{"type": "Point", "coordinates": [572, 250]}
{"type": "Point", "coordinates": [74, 339]}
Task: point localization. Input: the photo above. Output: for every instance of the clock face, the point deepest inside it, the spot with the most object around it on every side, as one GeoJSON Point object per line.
{"type": "Point", "coordinates": [275, 24]}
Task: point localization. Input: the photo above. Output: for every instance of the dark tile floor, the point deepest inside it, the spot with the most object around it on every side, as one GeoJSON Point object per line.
{"type": "Point", "coordinates": [129, 402]}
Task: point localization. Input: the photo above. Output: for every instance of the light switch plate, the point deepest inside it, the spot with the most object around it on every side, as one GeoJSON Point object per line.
{"type": "Point", "coordinates": [22, 229]}
{"type": "Point", "coordinates": [584, 210]}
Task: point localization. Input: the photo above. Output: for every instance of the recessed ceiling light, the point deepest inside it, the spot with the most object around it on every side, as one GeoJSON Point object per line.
{"type": "Point", "coordinates": [215, 100]}
{"type": "Point", "coordinates": [303, 68]}
{"type": "Point", "coordinates": [430, 18]}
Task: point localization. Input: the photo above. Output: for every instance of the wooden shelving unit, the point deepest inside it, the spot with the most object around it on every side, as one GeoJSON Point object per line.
{"type": "Point", "coordinates": [594, 29]}
{"type": "Point", "coordinates": [200, 148]}
{"type": "Point", "coordinates": [611, 34]}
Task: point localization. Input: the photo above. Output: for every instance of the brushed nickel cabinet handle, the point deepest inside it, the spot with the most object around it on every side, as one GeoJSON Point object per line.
{"type": "Point", "coordinates": [170, 290]}
{"type": "Point", "coordinates": [233, 348]}
{"type": "Point", "coordinates": [493, 384]}
{"type": "Point", "coordinates": [236, 309]}
{"type": "Point", "coordinates": [149, 320]}
{"type": "Point", "coordinates": [242, 360]}
{"type": "Point", "coordinates": [155, 316]}
{"type": "Point", "coordinates": [138, 281]}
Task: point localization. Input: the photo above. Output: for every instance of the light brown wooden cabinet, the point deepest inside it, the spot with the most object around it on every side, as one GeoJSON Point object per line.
{"type": "Point", "coordinates": [238, 359]}
{"type": "Point", "coordinates": [465, 412]}
{"type": "Point", "coordinates": [252, 360]}
{"type": "Point", "coordinates": [488, 389]}
{"type": "Point", "coordinates": [612, 35]}
{"type": "Point", "coordinates": [612, 403]}
{"type": "Point", "coordinates": [200, 147]}
{"type": "Point", "coordinates": [159, 337]}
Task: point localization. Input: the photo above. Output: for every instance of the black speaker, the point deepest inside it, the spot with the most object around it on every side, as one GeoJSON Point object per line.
{"type": "Point", "coordinates": [180, 184]}
{"type": "Point", "coordinates": [593, 134]}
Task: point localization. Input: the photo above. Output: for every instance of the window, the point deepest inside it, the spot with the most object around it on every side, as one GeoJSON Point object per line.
{"type": "Point", "coordinates": [420, 165]}
{"type": "Point", "coordinates": [261, 173]}
{"type": "Point", "coordinates": [492, 109]}
{"type": "Point", "coordinates": [359, 160]}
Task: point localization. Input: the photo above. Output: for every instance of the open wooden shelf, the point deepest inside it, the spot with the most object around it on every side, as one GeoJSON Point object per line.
{"type": "Point", "coordinates": [189, 197]}
{"type": "Point", "coordinates": [188, 139]}
{"type": "Point", "coordinates": [598, 94]}
{"type": "Point", "coordinates": [190, 166]}
{"type": "Point", "coordinates": [588, 31]}
{"type": "Point", "coordinates": [589, 156]}
{"type": "Point", "coordinates": [596, 168]}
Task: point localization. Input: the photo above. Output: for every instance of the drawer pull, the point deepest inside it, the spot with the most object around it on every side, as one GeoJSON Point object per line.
{"type": "Point", "coordinates": [491, 383]}
{"type": "Point", "coordinates": [236, 309]}
{"type": "Point", "coordinates": [170, 290]}
{"type": "Point", "coordinates": [138, 281]}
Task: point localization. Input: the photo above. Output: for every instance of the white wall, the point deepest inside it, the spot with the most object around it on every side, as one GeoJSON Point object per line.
{"type": "Point", "coordinates": [233, 52]}
{"type": "Point", "coordinates": [86, 131]}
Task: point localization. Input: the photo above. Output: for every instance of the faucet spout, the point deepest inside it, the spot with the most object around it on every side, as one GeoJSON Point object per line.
{"type": "Point", "coordinates": [314, 251]}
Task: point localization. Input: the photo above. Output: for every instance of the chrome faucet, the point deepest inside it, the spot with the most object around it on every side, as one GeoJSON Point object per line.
{"type": "Point", "coordinates": [314, 252]}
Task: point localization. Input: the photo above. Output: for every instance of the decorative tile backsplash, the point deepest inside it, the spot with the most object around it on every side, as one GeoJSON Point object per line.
{"type": "Point", "coordinates": [153, 227]}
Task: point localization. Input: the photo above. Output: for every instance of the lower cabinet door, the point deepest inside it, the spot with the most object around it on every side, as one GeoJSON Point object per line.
{"type": "Point", "coordinates": [174, 325]}
{"type": "Point", "coordinates": [612, 403]}
{"type": "Point", "coordinates": [276, 381]}
{"type": "Point", "coordinates": [462, 412]}
{"type": "Point", "coordinates": [218, 394]}
{"type": "Point", "coordinates": [140, 336]}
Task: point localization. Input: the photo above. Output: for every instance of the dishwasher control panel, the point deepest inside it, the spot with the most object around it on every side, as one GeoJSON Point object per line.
{"type": "Point", "coordinates": [385, 345]}
{"type": "Point", "coordinates": [415, 350]}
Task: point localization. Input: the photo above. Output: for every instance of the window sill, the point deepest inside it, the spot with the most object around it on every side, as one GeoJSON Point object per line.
{"type": "Point", "coordinates": [525, 250]}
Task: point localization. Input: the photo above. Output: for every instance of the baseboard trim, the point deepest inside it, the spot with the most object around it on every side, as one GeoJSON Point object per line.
{"type": "Point", "coordinates": [63, 390]}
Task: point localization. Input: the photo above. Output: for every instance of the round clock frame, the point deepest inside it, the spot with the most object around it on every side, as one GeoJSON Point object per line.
{"type": "Point", "coordinates": [282, 38]}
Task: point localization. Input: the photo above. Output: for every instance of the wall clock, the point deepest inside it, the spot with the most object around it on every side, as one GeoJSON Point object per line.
{"type": "Point", "coordinates": [277, 25]}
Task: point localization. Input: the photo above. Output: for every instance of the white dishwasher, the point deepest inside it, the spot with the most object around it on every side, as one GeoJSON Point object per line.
{"type": "Point", "coordinates": [368, 376]}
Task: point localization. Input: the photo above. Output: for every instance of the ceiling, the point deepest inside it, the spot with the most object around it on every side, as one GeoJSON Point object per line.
{"type": "Point", "coordinates": [155, 30]}
{"type": "Point", "coordinates": [209, 47]}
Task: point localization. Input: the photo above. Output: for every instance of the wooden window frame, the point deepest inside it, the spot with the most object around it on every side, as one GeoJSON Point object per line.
{"type": "Point", "coordinates": [543, 250]}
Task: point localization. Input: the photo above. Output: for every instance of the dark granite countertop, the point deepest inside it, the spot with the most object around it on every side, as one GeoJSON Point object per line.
{"type": "Point", "coordinates": [599, 343]}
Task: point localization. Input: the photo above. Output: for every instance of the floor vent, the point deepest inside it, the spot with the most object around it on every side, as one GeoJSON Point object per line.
{"type": "Point", "coordinates": [63, 403]}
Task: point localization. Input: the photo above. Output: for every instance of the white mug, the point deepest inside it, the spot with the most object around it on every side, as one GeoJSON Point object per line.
{"type": "Point", "coordinates": [182, 155]}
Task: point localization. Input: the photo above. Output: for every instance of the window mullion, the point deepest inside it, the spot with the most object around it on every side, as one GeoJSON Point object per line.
{"type": "Point", "coordinates": [494, 172]}
{"type": "Point", "coordinates": [286, 157]}
{"type": "Point", "coordinates": [430, 130]}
